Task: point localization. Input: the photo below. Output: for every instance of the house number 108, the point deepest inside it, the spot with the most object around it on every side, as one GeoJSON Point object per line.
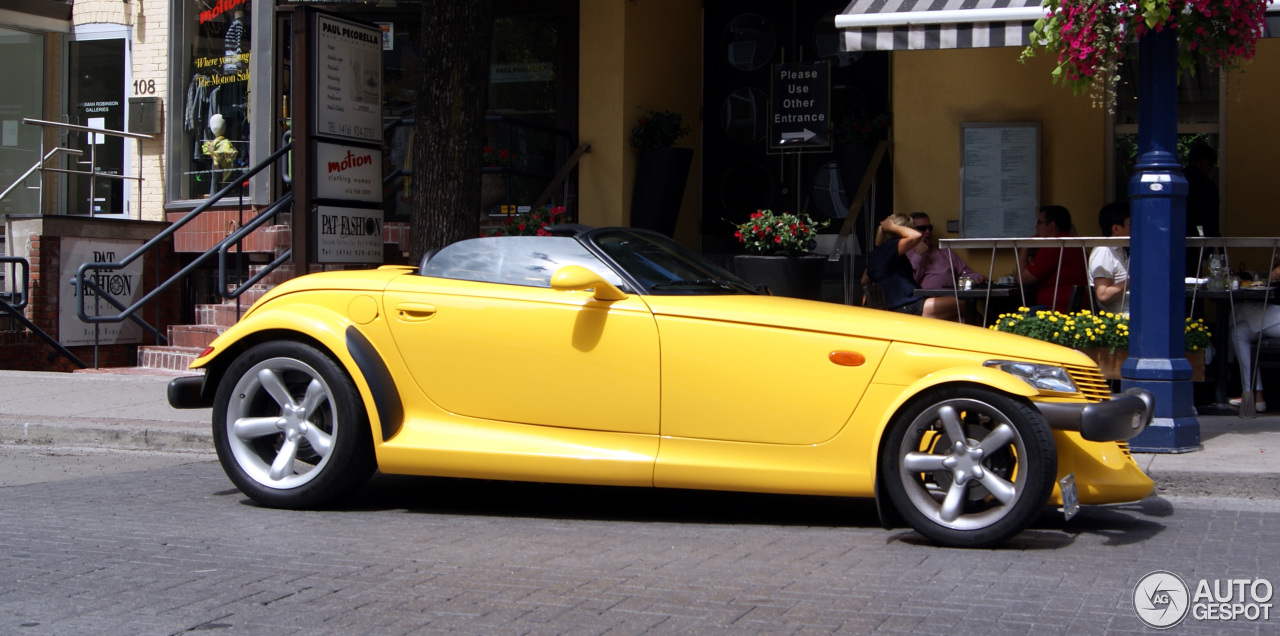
{"type": "Point", "coordinates": [144, 87]}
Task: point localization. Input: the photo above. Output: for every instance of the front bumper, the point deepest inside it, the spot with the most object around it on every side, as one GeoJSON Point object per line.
{"type": "Point", "coordinates": [1120, 418]}
{"type": "Point", "coordinates": [187, 392]}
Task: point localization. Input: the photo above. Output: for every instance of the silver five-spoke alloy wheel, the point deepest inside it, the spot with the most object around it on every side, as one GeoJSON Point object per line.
{"type": "Point", "coordinates": [965, 475]}
{"type": "Point", "coordinates": [281, 423]}
{"type": "Point", "coordinates": [968, 466]}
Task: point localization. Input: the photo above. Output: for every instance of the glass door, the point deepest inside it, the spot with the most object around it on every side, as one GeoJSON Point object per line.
{"type": "Point", "coordinates": [97, 73]}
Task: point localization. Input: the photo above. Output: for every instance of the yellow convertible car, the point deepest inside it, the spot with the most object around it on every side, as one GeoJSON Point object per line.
{"type": "Point", "coordinates": [615, 356]}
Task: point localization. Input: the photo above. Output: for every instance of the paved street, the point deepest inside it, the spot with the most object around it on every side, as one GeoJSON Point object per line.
{"type": "Point", "coordinates": [175, 549]}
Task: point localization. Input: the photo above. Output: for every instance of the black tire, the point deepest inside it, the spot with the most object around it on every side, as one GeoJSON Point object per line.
{"type": "Point", "coordinates": [290, 428]}
{"type": "Point", "coordinates": [979, 495]}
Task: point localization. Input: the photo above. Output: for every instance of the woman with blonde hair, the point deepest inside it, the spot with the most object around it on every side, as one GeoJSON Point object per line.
{"type": "Point", "coordinates": [889, 266]}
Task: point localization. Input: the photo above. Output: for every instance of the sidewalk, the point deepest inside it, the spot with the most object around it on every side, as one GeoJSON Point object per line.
{"type": "Point", "coordinates": [127, 409]}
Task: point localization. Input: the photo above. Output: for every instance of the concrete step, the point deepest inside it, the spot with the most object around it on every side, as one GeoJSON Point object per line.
{"type": "Point", "coordinates": [170, 358]}
{"type": "Point", "coordinates": [196, 336]}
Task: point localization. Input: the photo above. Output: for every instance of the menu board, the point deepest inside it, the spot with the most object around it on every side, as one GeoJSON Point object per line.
{"type": "Point", "coordinates": [999, 179]}
{"type": "Point", "coordinates": [348, 79]}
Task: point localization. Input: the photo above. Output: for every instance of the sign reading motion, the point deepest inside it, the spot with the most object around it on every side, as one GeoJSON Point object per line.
{"type": "Point", "coordinates": [800, 117]}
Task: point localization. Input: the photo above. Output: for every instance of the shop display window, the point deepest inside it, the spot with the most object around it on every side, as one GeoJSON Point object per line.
{"type": "Point", "coordinates": [213, 86]}
{"type": "Point", "coordinates": [22, 75]}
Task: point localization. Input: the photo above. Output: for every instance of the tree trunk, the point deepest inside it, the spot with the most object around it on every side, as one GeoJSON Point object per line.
{"type": "Point", "coordinates": [448, 134]}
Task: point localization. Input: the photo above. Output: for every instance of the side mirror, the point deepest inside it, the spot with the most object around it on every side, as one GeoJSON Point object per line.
{"type": "Point", "coordinates": [574, 277]}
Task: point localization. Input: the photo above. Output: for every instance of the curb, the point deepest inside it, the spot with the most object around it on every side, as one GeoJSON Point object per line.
{"type": "Point", "coordinates": [107, 435]}
{"type": "Point", "coordinates": [1210, 484]}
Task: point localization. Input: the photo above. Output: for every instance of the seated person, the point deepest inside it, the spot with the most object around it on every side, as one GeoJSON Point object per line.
{"type": "Point", "coordinates": [888, 265]}
{"type": "Point", "coordinates": [935, 268]}
{"type": "Point", "coordinates": [1253, 320]}
{"type": "Point", "coordinates": [1053, 281]}
{"type": "Point", "coordinates": [1109, 266]}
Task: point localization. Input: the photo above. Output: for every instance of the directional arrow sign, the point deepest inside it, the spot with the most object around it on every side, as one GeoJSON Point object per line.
{"type": "Point", "coordinates": [800, 118]}
{"type": "Point", "coordinates": [802, 136]}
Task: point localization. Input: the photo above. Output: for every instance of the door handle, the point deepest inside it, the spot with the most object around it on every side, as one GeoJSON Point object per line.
{"type": "Point", "coordinates": [415, 312]}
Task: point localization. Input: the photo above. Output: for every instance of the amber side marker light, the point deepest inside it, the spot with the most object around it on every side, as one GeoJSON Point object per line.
{"type": "Point", "coordinates": [848, 358]}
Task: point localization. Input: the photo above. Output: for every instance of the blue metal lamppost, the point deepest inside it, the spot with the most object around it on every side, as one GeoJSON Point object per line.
{"type": "Point", "coordinates": [1158, 193]}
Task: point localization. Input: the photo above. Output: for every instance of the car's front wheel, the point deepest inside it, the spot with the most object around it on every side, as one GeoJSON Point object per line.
{"type": "Point", "coordinates": [969, 467]}
{"type": "Point", "coordinates": [290, 427]}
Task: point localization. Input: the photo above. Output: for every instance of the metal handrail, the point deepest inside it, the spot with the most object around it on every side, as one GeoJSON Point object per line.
{"type": "Point", "coordinates": [37, 165]}
{"type": "Point", "coordinates": [234, 238]}
{"type": "Point", "coordinates": [92, 172]}
{"type": "Point", "coordinates": [25, 278]}
{"type": "Point", "coordinates": [15, 311]}
{"type": "Point", "coordinates": [81, 280]}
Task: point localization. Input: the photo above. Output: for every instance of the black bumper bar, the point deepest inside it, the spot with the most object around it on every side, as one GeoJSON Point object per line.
{"type": "Point", "coordinates": [1119, 418]}
{"type": "Point", "coordinates": [187, 392]}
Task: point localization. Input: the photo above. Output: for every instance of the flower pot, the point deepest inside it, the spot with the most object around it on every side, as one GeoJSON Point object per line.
{"type": "Point", "coordinates": [791, 276]}
{"type": "Point", "coordinates": [1110, 362]}
{"type": "Point", "coordinates": [661, 174]}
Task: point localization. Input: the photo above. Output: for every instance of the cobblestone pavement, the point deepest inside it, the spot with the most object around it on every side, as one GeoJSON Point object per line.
{"type": "Point", "coordinates": [175, 549]}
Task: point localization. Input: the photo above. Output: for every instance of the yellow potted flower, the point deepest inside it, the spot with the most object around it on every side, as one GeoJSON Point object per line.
{"type": "Point", "coordinates": [1103, 336]}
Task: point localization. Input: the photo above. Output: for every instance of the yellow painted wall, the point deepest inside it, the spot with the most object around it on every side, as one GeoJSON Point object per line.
{"type": "Point", "coordinates": [1252, 150]}
{"type": "Point", "coordinates": [657, 44]}
{"type": "Point", "coordinates": [934, 92]}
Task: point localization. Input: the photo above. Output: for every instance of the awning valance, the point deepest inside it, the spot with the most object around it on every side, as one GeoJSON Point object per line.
{"type": "Point", "coordinates": [909, 25]}
{"type": "Point", "coordinates": [898, 25]}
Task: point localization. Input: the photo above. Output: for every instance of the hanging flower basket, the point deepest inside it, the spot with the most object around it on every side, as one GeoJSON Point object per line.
{"type": "Point", "coordinates": [1089, 37]}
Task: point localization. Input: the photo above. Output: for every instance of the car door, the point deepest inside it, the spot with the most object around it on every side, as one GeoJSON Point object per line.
{"type": "Point", "coordinates": [731, 372]}
{"type": "Point", "coordinates": [525, 353]}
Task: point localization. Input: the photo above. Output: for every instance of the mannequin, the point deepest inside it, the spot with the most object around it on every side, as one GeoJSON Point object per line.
{"type": "Point", "coordinates": [219, 148]}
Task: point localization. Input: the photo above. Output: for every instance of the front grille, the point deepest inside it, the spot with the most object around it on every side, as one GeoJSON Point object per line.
{"type": "Point", "coordinates": [1091, 383]}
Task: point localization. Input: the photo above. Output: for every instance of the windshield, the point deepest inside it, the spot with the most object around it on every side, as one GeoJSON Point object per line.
{"type": "Point", "coordinates": [664, 266]}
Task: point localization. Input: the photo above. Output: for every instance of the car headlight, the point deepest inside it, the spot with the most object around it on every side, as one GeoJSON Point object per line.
{"type": "Point", "coordinates": [1044, 377]}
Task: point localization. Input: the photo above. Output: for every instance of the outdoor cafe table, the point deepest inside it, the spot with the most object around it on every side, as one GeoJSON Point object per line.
{"type": "Point", "coordinates": [971, 297]}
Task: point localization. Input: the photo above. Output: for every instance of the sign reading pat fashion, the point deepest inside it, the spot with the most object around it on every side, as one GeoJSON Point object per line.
{"type": "Point", "coordinates": [348, 235]}
{"type": "Point", "coordinates": [348, 173]}
{"type": "Point", "coordinates": [124, 285]}
{"type": "Point", "coordinates": [800, 115]}
{"type": "Point", "coordinates": [348, 79]}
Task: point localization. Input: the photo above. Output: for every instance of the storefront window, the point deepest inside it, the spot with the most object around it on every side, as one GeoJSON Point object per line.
{"type": "Point", "coordinates": [22, 75]}
{"type": "Point", "coordinates": [212, 143]}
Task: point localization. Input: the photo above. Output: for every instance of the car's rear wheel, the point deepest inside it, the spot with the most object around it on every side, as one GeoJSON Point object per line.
{"type": "Point", "coordinates": [290, 427]}
{"type": "Point", "coordinates": [969, 467]}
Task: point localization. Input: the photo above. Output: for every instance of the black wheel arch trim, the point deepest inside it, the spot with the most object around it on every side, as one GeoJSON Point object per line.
{"type": "Point", "coordinates": [386, 398]}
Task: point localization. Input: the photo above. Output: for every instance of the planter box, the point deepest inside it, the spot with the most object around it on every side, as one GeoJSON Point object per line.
{"type": "Point", "coordinates": [1110, 362]}
{"type": "Point", "coordinates": [793, 276]}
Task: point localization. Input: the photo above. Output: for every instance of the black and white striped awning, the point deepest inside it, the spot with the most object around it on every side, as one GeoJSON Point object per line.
{"type": "Point", "coordinates": [909, 25]}
{"type": "Point", "coordinates": [902, 25]}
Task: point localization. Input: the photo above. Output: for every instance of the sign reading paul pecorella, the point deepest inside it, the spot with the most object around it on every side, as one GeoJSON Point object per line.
{"type": "Point", "coordinates": [348, 79]}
